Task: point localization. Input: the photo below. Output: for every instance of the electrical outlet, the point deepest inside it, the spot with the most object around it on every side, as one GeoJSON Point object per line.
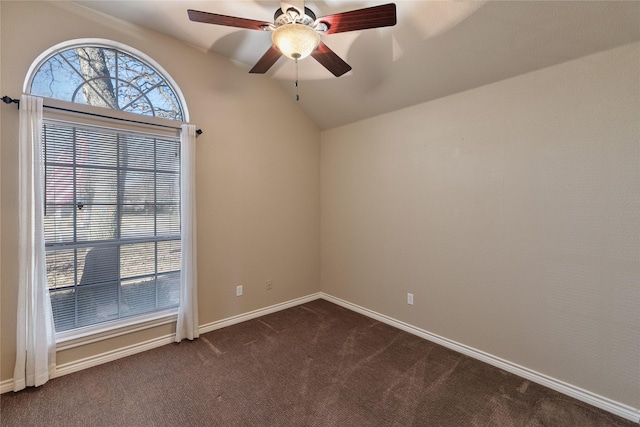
{"type": "Point", "coordinates": [239, 290]}
{"type": "Point", "coordinates": [269, 284]}
{"type": "Point", "coordinates": [410, 298]}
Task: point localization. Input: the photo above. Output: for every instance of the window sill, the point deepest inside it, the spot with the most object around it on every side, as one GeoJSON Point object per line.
{"type": "Point", "coordinates": [90, 334]}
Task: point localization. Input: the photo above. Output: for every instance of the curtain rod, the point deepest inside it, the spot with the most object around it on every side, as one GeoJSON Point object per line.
{"type": "Point", "coordinates": [8, 100]}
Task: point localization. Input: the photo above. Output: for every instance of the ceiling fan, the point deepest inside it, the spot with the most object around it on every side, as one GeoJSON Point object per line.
{"type": "Point", "coordinates": [296, 31]}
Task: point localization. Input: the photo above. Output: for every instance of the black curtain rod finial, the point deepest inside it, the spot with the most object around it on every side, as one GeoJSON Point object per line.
{"type": "Point", "coordinates": [9, 100]}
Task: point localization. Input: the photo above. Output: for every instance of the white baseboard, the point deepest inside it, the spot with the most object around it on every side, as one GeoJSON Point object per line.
{"type": "Point", "coordinates": [257, 313]}
{"type": "Point", "coordinates": [6, 385]}
{"type": "Point", "coordinates": [601, 402]}
{"type": "Point", "coordinates": [110, 356]}
{"type": "Point", "coordinates": [586, 396]}
{"type": "Point", "coordinates": [98, 359]}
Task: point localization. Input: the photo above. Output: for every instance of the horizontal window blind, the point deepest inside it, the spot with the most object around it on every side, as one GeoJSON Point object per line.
{"type": "Point", "coordinates": [112, 223]}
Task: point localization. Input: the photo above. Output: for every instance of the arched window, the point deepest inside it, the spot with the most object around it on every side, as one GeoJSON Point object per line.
{"type": "Point", "coordinates": [112, 193]}
{"type": "Point", "coordinates": [107, 75]}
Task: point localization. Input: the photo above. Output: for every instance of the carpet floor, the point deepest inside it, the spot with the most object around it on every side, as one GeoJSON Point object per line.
{"type": "Point", "coordinates": [316, 364]}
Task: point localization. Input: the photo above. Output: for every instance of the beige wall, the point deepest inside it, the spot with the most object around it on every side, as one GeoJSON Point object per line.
{"type": "Point", "coordinates": [257, 186]}
{"type": "Point", "coordinates": [510, 211]}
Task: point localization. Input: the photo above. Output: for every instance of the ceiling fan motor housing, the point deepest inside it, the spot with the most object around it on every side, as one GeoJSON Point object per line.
{"type": "Point", "coordinates": [293, 17]}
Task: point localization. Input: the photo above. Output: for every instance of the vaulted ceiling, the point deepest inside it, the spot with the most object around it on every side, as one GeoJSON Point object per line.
{"type": "Point", "coordinates": [436, 49]}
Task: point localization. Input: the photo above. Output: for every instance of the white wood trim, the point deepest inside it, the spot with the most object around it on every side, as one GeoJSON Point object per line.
{"type": "Point", "coordinates": [6, 385]}
{"type": "Point", "coordinates": [257, 313]}
{"type": "Point", "coordinates": [109, 356]}
{"type": "Point", "coordinates": [586, 396]}
{"type": "Point", "coordinates": [66, 341]}
{"type": "Point", "coordinates": [98, 359]}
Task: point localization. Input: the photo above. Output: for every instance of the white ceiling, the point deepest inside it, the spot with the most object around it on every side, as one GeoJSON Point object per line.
{"type": "Point", "coordinates": [436, 49]}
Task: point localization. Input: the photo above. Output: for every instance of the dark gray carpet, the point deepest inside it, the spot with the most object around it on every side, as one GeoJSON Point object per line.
{"type": "Point", "coordinates": [317, 364]}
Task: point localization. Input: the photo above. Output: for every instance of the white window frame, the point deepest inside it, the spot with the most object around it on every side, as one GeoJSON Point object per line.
{"type": "Point", "coordinates": [85, 335]}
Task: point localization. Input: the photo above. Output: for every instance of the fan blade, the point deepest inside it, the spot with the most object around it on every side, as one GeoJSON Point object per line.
{"type": "Point", "coordinates": [330, 60]}
{"type": "Point", "coordinates": [296, 4]}
{"type": "Point", "coordinates": [361, 19]}
{"type": "Point", "coordinates": [229, 21]}
{"type": "Point", "coordinates": [267, 60]}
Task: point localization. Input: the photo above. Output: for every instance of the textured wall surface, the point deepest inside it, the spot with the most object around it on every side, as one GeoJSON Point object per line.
{"type": "Point", "coordinates": [510, 211]}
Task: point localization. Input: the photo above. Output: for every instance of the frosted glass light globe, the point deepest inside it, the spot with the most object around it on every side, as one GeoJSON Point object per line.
{"type": "Point", "coordinates": [295, 41]}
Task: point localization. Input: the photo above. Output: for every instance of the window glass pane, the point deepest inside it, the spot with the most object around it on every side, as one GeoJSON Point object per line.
{"type": "Point", "coordinates": [57, 79]}
{"type": "Point", "coordinates": [96, 92]}
{"type": "Point", "coordinates": [168, 256]}
{"type": "Point", "coordinates": [96, 186]}
{"type": "Point", "coordinates": [164, 102]}
{"type": "Point", "coordinates": [111, 61]}
{"type": "Point", "coordinates": [59, 224]}
{"type": "Point", "coordinates": [96, 148]}
{"type": "Point", "coordinates": [140, 106]}
{"type": "Point", "coordinates": [137, 260]}
{"type": "Point", "coordinates": [137, 152]}
{"type": "Point", "coordinates": [97, 303]}
{"type": "Point", "coordinates": [138, 73]}
{"type": "Point", "coordinates": [168, 155]}
{"type": "Point", "coordinates": [128, 94]}
{"type": "Point", "coordinates": [168, 221]}
{"type": "Point", "coordinates": [138, 224]}
{"type": "Point", "coordinates": [168, 185]}
{"type": "Point", "coordinates": [139, 187]}
{"type": "Point", "coordinates": [59, 184]}
{"type": "Point", "coordinates": [63, 304]}
{"type": "Point", "coordinates": [96, 223]}
{"type": "Point", "coordinates": [59, 144]}
{"type": "Point", "coordinates": [60, 268]}
{"type": "Point", "coordinates": [100, 265]}
{"type": "Point", "coordinates": [138, 296]}
{"type": "Point", "coordinates": [168, 290]}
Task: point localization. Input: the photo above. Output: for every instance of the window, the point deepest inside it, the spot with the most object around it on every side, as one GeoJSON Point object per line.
{"type": "Point", "coordinates": [106, 77]}
{"type": "Point", "coordinates": [112, 195]}
{"type": "Point", "coordinates": [112, 223]}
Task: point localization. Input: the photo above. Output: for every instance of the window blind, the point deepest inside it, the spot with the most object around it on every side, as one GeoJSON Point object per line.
{"type": "Point", "coordinates": [112, 223]}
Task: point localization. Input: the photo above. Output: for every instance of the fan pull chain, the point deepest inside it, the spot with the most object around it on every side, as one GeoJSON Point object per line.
{"type": "Point", "coordinates": [296, 83]}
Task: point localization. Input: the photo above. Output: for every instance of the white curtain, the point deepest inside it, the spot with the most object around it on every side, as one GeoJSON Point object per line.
{"type": "Point", "coordinates": [187, 326]}
{"type": "Point", "coordinates": [35, 346]}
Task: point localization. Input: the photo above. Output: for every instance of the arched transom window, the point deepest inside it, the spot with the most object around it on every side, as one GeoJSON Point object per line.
{"type": "Point", "coordinates": [106, 77]}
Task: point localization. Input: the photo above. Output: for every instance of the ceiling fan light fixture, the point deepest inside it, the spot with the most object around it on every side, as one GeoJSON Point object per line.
{"type": "Point", "coordinates": [295, 41]}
